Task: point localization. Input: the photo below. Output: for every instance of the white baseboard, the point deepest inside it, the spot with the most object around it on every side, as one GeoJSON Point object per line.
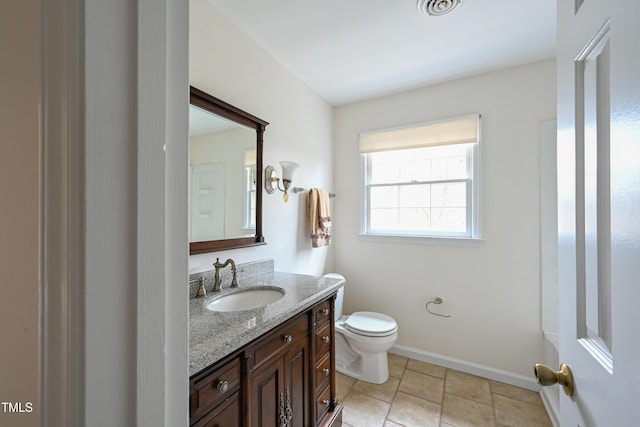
{"type": "Point", "coordinates": [550, 400]}
{"type": "Point", "coordinates": [468, 367]}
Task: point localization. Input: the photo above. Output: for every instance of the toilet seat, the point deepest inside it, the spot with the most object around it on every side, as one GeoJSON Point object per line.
{"type": "Point", "coordinates": [370, 324]}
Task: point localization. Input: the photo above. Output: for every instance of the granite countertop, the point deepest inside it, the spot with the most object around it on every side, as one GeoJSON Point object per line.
{"type": "Point", "coordinates": [214, 335]}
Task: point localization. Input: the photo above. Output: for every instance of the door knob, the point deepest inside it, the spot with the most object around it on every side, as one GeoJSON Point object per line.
{"type": "Point", "coordinates": [547, 376]}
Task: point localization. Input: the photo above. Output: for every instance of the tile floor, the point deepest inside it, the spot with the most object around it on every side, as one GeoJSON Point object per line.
{"type": "Point", "coordinates": [418, 394]}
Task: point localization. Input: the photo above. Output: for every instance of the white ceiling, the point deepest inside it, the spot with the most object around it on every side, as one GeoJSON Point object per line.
{"type": "Point", "coordinates": [203, 122]}
{"type": "Point", "coordinates": [349, 50]}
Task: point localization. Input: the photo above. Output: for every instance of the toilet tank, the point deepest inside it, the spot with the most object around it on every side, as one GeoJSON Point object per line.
{"type": "Point", "coordinates": [340, 296]}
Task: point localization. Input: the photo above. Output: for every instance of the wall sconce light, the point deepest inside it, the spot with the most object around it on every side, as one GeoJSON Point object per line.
{"type": "Point", "coordinates": [271, 180]}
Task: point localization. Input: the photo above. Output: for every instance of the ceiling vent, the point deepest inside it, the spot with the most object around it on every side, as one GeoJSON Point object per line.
{"type": "Point", "coordinates": [437, 7]}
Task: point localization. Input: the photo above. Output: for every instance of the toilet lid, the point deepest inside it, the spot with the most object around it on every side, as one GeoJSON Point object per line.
{"type": "Point", "coordinates": [370, 323]}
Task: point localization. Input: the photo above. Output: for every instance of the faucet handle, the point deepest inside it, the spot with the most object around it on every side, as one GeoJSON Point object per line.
{"type": "Point", "coordinates": [202, 292]}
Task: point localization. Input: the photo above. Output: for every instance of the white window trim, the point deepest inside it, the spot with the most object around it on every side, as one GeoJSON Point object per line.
{"type": "Point", "coordinates": [475, 240]}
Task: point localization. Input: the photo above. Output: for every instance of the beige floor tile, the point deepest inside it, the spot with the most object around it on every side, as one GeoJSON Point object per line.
{"type": "Point", "coordinates": [516, 393]}
{"type": "Point", "coordinates": [420, 394]}
{"type": "Point", "coordinates": [515, 413]}
{"type": "Point", "coordinates": [384, 392]}
{"type": "Point", "coordinates": [344, 383]}
{"type": "Point", "coordinates": [361, 410]}
{"type": "Point", "coordinates": [468, 387]}
{"type": "Point", "coordinates": [422, 386]}
{"type": "Point", "coordinates": [426, 368]}
{"type": "Point", "coordinates": [397, 365]}
{"type": "Point", "coordinates": [461, 412]}
{"type": "Point", "coordinates": [411, 411]}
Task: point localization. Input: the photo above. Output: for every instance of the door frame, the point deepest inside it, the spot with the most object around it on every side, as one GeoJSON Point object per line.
{"type": "Point", "coordinates": [155, 155]}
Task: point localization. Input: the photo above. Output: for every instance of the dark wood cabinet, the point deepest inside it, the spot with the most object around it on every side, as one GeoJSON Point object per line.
{"type": "Point", "coordinates": [297, 383]}
{"type": "Point", "coordinates": [286, 377]}
{"type": "Point", "coordinates": [323, 357]}
{"type": "Point", "coordinates": [215, 395]}
{"type": "Point", "coordinates": [227, 414]}
{"type": "Point", "coordinates": [266, 402]}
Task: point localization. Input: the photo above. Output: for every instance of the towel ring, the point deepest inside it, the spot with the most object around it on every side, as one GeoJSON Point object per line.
{"type": "Point", "coordinates": [438, 300]}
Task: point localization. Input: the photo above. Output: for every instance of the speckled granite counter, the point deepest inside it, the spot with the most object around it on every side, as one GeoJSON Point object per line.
{"type": "Point", "coordinates": [213, 335]}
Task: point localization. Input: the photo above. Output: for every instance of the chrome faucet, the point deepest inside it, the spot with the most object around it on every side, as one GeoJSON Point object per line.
{"type": "Point", "coordinates": [217, 284]}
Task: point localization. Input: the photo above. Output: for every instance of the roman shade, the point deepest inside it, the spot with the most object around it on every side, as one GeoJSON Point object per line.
{"type": "Point", "coordinates": [460, 130]}
{"type": "Point", "coordinates": [249, 157]}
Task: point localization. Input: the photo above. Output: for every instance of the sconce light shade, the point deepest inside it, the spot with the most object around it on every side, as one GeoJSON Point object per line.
{"type": "Point", "coordinates": [288, 168]}
{"type": "Point", "coordinates": [272, 181]}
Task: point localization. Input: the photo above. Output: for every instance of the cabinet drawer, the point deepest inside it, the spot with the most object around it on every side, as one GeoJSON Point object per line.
{"type": "Point", "coordinates": [279, 340]}
{"type": "Point", "coordinates": [322, 312]}
{"type": "Point", "coordinates": [228, 414]}
{"type": "Point", "coordinates": [214, 388]}
{"type": "Point", "coordinates": [323, 402]}
{"type": "Point", "coordinates": [323, 371]}
{"type": "Point", "coordinates": [323, 339]}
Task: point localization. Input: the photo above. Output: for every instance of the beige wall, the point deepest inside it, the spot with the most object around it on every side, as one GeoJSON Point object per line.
{"type": "Point", "coordinates": [19, 207]}
{"type": "Point", "coordinates": [491, 291]}
{"type": "Point", "coordinates": [228, 64]}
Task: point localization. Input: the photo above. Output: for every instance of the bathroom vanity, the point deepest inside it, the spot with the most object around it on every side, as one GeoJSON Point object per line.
{"type": "Point", "coordinates": [269, 366]}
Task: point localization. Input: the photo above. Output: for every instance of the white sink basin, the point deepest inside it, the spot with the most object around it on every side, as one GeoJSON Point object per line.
{"type": "Point", "coordinates": [246, 299]}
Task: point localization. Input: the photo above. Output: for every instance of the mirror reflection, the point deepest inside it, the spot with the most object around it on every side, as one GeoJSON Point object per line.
{"type": "Point", "coordinates": [222, 184]}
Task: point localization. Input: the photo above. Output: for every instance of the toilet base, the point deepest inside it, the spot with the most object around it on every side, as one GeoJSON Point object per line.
{"type": "Point", "coordinates": [372, 368]}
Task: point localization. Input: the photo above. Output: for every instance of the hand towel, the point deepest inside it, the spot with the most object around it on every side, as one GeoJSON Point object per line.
{"type": "Point", "coordinates": [319, 217]}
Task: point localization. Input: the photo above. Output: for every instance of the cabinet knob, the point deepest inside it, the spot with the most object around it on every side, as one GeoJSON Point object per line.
{"type": "Point", "coordinates": [325, 311]}
{"type": "Point", "coordinates": [326, 402]}
{"type": "Point", "coordinates": [325, 339]}
{"type": "Point", "coordinates": [287, 338]}
{"type": "Point", "coordinates": [326, 371]}
{"type": "Point", "coordinates": [222, 386]}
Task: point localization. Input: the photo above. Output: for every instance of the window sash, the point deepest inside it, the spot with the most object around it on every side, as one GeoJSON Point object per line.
{"type": "Point", "coordinates": [468, 232]}
{"type": "Point", "coordinates": [471, 204]}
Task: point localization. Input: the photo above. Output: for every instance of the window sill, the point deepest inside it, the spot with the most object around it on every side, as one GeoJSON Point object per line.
{"type": "Point", "coordinates": [473, 242]}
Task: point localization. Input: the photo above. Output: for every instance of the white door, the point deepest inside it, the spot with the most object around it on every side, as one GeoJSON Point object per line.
{"type": "Point", "coordinates": [207, 202]}
{"type": "Point", "coordinates": [599, 209]}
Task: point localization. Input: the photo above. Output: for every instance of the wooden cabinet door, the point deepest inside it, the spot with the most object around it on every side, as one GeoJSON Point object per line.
{"type": "Point", "coordinates": [298, 383]}
{"type": "Point", "coordinates": [266, 393]}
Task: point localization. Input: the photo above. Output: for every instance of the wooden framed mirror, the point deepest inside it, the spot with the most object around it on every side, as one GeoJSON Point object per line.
{"type": "Point", "coordinates": [225, 181]}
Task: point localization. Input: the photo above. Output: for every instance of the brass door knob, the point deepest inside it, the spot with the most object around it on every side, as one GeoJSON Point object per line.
{"type": "Point", "coordinates": [547, 376]}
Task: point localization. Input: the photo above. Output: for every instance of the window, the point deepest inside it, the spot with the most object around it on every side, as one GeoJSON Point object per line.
{"type": "Point", "coordinates": [250, 197]}
{"type": "Point", "coordinates": [421, 181]}
{"type": "Point", "coordinates": [249, 190]}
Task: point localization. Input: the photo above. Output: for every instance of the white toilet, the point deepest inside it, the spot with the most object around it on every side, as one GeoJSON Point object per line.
{"type": "Point", "coordinates": [362, 340]}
